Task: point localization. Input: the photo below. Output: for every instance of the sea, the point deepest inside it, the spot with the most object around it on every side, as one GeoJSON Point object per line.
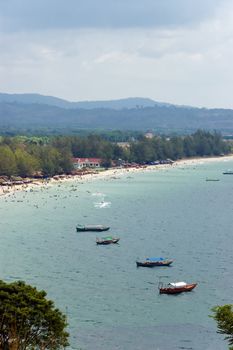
{"type": "Point", "coordinates": [111, 304]}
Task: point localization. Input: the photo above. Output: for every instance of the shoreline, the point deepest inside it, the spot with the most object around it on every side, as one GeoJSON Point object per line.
{"type": "Point", "coordinates": [108, 174]}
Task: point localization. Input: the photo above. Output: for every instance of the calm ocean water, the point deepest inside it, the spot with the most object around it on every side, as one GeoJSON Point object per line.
{"type": "Point", "coordinates": [110, 303]}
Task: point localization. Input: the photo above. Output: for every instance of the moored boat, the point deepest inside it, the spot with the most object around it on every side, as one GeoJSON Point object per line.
{"type": "Point", "coordinates": [175, 288]}
{"type": "Point", "coordinates": [228, 172]}
{"type": "Point", "coordinates": [107, 240]}
{"type": "Point", "coordinates": [95, 228]}
{"type": "Point", "coordinates": [211, 179]}
{"type": "Point", "coordinates": [152, 262]}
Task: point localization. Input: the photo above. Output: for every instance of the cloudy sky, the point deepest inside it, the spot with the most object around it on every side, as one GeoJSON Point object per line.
{"type": "Point", "coordinates": [177, 51]}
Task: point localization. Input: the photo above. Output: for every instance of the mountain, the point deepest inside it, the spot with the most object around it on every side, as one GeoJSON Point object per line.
{"type": "Point", "coordinates": [29, 112]}
{"type": "Point", "coordinates": [34, 98]}
{"type": "Point", "coordinates": [133, 102]}
{"type": "Point", "coordinates": [126, 103]}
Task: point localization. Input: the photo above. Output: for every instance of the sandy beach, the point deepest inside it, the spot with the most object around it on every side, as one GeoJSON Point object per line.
{"type": "Point", "coordinates": [108, 174]}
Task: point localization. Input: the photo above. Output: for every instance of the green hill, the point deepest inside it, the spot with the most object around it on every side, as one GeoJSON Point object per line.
{"type": "Point", "coordinates": [160, 117]}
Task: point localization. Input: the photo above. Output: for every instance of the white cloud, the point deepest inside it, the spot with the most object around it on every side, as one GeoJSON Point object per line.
{"type": "Point", "coordinates": [188, 65]}
{"type": "Point", "coordinates": [115, 56]}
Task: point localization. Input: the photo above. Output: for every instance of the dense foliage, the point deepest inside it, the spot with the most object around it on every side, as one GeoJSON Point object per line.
{"type": "Point", "coordinates": [224, 317]}
{"type": "Point", "coordinates": [28, 320]}
{"type": "Point", "coordinates": [28, 156]}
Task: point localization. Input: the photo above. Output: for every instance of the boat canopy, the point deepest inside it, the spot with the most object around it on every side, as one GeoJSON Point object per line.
{"type": "Point", "coordinates": [178, 284]}
{"type": "Point", "coordinates": [108, 238]}
{"type": "Point", "coordinates": [155, 259]}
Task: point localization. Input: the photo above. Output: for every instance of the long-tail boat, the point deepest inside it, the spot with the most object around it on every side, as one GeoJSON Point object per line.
{"type": "Point", "coordinates": [152, 262]}
{"type": "Point", "coordinates": [95, 228]}
{"type": "Point", "coordinates": [175, 288]}
{"type": "Point", "coordinates": [228, 172]}
{"type": "Point", "coordinates": [107, 240]}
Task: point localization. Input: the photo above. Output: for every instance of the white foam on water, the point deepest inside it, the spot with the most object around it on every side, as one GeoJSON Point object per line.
{"type": "Point", "coordinates": [102, 204]}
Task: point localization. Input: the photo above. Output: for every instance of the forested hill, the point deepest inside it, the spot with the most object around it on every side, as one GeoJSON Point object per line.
{"type": "Point", "coordinates": [132, 102]}
{"type": "Point", "coordinates": [160, 117]}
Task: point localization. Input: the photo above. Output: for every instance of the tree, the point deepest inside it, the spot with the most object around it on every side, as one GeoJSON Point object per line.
{"type": "Point", "coordinates": [26, 163]}
{"type": "Point", "coordinates": [224, 317]}
{"type": "Point", "coordinates": [65, 161]}
{"type": "Point", "coordinates": [50, 161]}
{"type": "Point", "coordinates": [7, 161]}
{"type": "Point", "coordinates": [28, 320]}
{"type": "Point", "coordinates": [177, 147]}
{"type": "Point", "coordinates": [189, 146]}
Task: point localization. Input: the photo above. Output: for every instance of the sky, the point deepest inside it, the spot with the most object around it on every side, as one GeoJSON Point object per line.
{"type": "Point", "coordinates": [176, 51]}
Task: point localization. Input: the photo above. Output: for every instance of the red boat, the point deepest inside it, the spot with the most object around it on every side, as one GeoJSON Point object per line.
{"type": "Point", "coordinates": [175, 288]}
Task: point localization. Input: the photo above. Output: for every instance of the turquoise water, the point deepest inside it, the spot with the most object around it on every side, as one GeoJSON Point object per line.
{"type": "Point", "coordinates": [110, 303]}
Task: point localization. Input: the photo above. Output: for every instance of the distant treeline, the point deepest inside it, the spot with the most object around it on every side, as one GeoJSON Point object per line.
{"type": "Point", "coordinates": [28, 156]}
{"type": "Point", "coordinates": [110, 135]}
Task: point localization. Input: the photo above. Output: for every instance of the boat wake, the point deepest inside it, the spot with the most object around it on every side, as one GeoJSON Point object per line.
{"type": "Point", "coordinates": [102, 204]}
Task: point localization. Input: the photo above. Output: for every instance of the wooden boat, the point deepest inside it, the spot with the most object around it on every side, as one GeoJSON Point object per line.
{"type": "Point", "coordinates": [175, 288]}
{"type": "Point", "coordinates": [107, 240]}
{"type": "Point", "coordinates": [152, 262]}
{"type": "Point", "coordinates": [95, 228]}
{"type": "Point", "coordinates": [210, 179]}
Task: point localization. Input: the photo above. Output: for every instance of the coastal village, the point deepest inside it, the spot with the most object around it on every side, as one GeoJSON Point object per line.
{"type": "Point", "coordinates": [81, 168]}
{"type": "Point", "coordinates": [90, 168]}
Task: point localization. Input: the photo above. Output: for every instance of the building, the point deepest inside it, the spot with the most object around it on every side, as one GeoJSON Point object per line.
{"type": "Point", "coordinates": [149, 135]}
{"type": "Point", "coordinates": [80, 163]}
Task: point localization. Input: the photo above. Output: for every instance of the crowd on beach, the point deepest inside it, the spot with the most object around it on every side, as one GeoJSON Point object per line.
{"type": "Point", "coordinates": [9, 185]}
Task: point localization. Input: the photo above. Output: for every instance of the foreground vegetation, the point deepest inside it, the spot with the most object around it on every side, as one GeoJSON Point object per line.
{"type": "Point", "coordinates": [224, 317]}
{"type": "Point", "coordinates": [29, 320]}
{"type": "Point", "coordinates": [28, 156]}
